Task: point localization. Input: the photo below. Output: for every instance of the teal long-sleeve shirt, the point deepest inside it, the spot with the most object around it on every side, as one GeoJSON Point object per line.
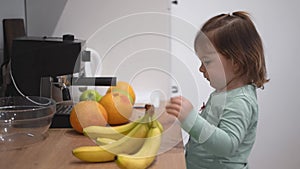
{"type": "Point", "coordinates": [223, 135]}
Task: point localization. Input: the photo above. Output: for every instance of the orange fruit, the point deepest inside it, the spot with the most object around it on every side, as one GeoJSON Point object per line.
{"type": "Point", "coordinates": [87, 113]}
{"type": "Point", "coordinates": [118, 107]}
{"type": "Point", "coordinates": [123, 86]}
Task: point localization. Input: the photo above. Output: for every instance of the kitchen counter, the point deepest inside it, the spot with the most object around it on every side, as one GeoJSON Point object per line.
{"type": "Point", "coordinates": [55, 152]}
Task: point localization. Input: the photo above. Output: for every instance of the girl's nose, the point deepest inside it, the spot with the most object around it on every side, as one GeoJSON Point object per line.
{"type": "Point", "coordinates": [202, 68]}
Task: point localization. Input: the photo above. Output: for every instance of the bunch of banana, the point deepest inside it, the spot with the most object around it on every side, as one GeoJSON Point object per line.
{"type": "Point", "coordinates": [115, 132]}
{"type": "Point", "coordinates": [146, 155]}
{"type": "Point", "coordinates": [129, 143]}
{"type": "Point", "coordinates": [133, 144]}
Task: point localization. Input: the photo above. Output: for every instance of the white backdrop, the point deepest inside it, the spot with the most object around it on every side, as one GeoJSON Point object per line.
{"type": "Point", "coordinates": [278, 136]}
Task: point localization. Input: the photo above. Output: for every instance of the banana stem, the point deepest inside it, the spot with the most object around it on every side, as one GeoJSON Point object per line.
{"type": "Point", "coordinates": [149, 109]}
{"type": "Point", "coordinates": [150, 113]}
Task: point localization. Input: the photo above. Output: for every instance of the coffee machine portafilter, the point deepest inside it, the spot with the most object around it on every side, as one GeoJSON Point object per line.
{"type": "Point", "coordinates": [47, 66]}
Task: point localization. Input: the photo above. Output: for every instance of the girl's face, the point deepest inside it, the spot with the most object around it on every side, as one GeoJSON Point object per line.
{"type": "Point", "coordinates": [216, 68]}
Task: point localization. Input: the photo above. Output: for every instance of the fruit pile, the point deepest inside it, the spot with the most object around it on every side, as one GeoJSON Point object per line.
{"type": "Point", "coordinates": [93, 109]}
{"type": "Point", "coordinates": [132, 146]}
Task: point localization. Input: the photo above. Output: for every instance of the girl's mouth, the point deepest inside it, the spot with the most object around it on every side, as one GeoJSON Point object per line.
{"type": "Point", "coordinates": [206, 77]}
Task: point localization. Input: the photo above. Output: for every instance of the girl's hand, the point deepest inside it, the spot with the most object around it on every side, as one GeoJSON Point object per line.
{"type": "Point", "coordinates": [179, 107]}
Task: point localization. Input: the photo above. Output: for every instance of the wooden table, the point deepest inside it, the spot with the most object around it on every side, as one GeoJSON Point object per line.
{"type": "Point", "coordinates": [55, 152]}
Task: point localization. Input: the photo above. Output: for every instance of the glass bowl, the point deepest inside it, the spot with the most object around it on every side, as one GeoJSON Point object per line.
{"type": "Point", "coordinates": [24, 120]}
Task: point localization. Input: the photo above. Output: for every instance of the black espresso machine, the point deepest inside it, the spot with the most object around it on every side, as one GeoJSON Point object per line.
{"type": "Point", "coordinates": [47, 66]}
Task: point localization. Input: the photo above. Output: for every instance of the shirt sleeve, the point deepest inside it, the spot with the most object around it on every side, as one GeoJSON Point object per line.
{"type": "Point", "coordinates": [224, 139]}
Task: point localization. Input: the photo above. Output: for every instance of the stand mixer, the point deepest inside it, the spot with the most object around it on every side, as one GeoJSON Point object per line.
{"type": "Point", "coordinates": [47, 67]}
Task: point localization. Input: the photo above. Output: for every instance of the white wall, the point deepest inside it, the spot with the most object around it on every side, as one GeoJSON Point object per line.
{"type": "Point", "coordinates": [43, 16]}
{"type": "Point", "coordinates": [131, 37]}
{"type": "Point", "coordinates": [278, 137]}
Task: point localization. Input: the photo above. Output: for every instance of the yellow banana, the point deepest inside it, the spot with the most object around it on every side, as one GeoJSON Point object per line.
{"type": "Point", "coordinates": [93, 154]}
{"type": "Point", "coordinates": [156, 123]}
{"type": "Point", "coordinates": [146, 155]}
{"type": "Point", "coordinates": [115, 132]}
{"type": "Point", "coordinates": [104, 141]}
{"type": "Point", "coordinates": [130, 143]}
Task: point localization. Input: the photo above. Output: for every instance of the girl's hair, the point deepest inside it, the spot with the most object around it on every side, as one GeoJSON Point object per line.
{"type": "Point", "coordinates": [235, 36]}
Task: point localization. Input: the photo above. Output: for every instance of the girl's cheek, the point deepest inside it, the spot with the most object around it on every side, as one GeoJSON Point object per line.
{"type": "Point", "coordinates": [216, 79]}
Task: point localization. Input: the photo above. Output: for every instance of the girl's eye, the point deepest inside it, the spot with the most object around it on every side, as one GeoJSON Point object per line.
{"type": "Point", "coordinates": [206, 62]}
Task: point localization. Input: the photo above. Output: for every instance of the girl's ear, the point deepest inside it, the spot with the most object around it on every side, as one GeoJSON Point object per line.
{"type": "Point", "coordinates": [236, 66]}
